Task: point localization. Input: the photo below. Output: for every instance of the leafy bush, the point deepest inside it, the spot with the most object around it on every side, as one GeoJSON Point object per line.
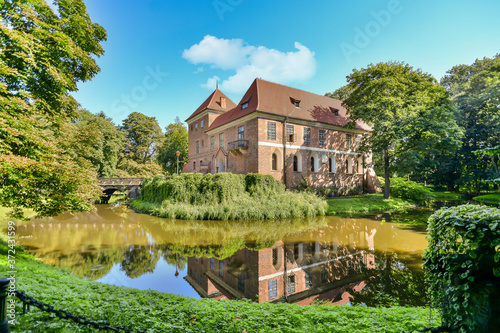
{"type": "Point", "coordinates": [257, 184]}
{"type": "Point", "coordinates": [408, 190]}
{"type": "Point", "coordinates": [462, 259]}
{"type": "Point", "coordinates": [224, 196]}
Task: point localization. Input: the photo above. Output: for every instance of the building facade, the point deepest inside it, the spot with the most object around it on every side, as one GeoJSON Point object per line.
{"type": "Point", "coordinates": [288, 133]}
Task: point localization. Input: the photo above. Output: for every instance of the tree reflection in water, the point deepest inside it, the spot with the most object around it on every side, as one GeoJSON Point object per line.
{"type": "Point", "coordinates": [296, 260]}
{"type": "Point", "coordinates": [393, 281]}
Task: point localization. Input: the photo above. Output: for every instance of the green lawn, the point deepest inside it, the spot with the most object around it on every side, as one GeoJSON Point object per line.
{"type": "Point", "coordinates": [489, 198]}
{"type": "Point", "coordinates": [445, 195]}
{"type": "Point", "coordinates": [153, 311]}
{"type": "Point", "coordinates": [366, 204]}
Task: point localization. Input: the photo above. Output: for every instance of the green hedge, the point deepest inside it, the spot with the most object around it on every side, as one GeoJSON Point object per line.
{"type": "Point", "coordinates": [462, 259]}
{"type": "Point", "coordinates": [408, 189]}
{"type": "Point", "coordinates": [224, 196]}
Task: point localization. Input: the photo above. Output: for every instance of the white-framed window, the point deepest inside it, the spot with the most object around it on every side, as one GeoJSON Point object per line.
{"type": "Point", "coordinates": [332, 164]}
{"type": "Point", "coordinates": [291, 284]}
{"type": "Point", "coordinates": [290, 133]}
{"type": "Point", "coordinates": [271, 130]}
{"type": "Point", "coordinates": [273, 289]}
{"type": "Point", "coordinates": [314, 163]}
{"type": "Point", "coordinates": [241, 133]}
{"type": "Point", "coordinates": [307, 136]}
{"type": "Point", "coordinates": [349, 165]}
{"type": "Point", "coordinates": [221, 140]}
{"type": "Point", "coordinates": [322, 137]}
{"type": "Point", "coordinates": [309, 280]}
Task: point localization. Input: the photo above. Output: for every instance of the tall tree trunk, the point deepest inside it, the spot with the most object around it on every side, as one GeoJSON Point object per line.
{"type": "Point", "coordinates": [387, 189]}
{"type": "Point", "coordinates": [496, 168]}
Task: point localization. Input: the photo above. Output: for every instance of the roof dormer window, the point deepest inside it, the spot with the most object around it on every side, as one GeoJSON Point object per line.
{"type": "Point", "coordinates": [335, 112]}
{"type": "Point", "coordinates": [295, 102]}
{"type": "Point", "coordinates": [244, 105]}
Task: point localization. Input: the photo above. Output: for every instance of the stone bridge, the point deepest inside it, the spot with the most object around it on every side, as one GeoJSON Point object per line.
{"type": "Point", "coordinates": [132, 186]}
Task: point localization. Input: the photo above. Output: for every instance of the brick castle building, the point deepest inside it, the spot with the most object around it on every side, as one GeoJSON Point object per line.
{"type": "Point", "coordinates": [288, 133]}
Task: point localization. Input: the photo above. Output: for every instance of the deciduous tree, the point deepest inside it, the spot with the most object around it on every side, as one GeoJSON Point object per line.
{"type": "Point", "coordinates": [43, 57]}
{"type": "Point", "coordinates": [176, 139]}
{"type": "Point", "coordinates": [98, 140]}
{"type": "Point", "coordinates": [475, 91]}
{"type": "Point", "coordinates": [143, 136]}
{"type": "Point", "coordinates": [408, 110]}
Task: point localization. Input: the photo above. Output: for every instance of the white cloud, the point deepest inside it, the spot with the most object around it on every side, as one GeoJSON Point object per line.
{"type": "Point", "coordinates": [249, 62]}
{"type": "Point", "coordinates": [220, 53]}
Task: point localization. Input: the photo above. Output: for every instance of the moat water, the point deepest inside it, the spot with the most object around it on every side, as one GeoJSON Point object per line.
{"type": "Point", "coordinates": [304, 261]}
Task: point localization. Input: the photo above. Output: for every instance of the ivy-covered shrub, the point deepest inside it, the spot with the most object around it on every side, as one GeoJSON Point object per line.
{"type": "Point", "coordinates": [408, 189]}
{"type": "Point", "coordinates": [224, 196]}
{"type": "Point", "coordinates": [462, 262]}
{"type": "Point", "coordinates": [257, 184]}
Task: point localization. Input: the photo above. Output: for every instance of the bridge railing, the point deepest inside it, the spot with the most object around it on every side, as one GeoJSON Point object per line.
{"type": "Point", "coordinates": [103, 181]}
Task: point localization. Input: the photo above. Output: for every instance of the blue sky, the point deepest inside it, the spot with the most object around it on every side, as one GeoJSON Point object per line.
{"type": "Point", "coordinates": [162, 58]}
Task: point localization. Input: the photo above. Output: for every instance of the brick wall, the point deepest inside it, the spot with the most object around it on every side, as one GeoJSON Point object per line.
{"type": "Point", "coordinates": [258, 158]}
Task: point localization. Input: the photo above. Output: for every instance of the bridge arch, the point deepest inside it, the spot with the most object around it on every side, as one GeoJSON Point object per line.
{"type": "Point", "coordinates": [110, 185]}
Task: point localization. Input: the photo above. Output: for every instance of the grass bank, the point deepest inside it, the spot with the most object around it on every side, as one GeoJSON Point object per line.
{"type": "Point", "coordinates": [446, 195]}
{"type": "Point", "coordinates": [489, 198]}
{"type": "Point", "coordinates": [224, 196]}
{"type": "Point", "coordinates": [152, 311]}
{"type": "Point", "coordinates": [366, 204]}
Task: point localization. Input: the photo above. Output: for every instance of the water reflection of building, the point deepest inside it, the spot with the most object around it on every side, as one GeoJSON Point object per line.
{"type": "Point", "coordinates": [319, 271]}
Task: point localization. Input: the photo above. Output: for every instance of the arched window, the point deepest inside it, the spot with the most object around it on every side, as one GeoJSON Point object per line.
{"type": "Point", "coordinates": [332, 162]}
{"type": "Point", "coordinates": [360, 164]}
{"type": "Point", "coordinates": [348, 165]}
{"type": "Point", "coordinates": [274, 162]}
{"type": "Point", "coordinates": [295, 163]}
{"type": "Point", "coordinates": [298, 157]}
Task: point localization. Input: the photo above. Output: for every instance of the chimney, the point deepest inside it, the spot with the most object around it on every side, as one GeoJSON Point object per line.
{"type": "Point", "coordinates": [223, 102]}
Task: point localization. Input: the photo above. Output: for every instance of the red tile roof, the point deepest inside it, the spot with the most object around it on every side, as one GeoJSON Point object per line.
{"type": "Point", "coordinates": [213, 102]}
{"type": "Point", "coordinates": [279, 99]}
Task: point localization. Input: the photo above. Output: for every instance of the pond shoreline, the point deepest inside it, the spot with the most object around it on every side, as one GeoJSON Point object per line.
{"type": "Point", "coordinates": [97, 301]}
